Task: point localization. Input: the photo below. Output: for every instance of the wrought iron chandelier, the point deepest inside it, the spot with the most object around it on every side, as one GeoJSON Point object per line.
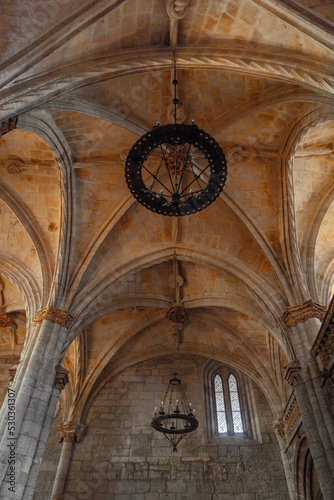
{"type": "Point", "coordinates": [176, 169]}
{"type": "Point", "coordinates": [175, 418]}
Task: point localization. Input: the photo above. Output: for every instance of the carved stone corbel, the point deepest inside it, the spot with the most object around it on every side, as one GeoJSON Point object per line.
{"type": "Point", "coordinates": [292, 373]}
{"type": "Point", "coordinates": [301, 313]}
{"type": "Point", "coordinates": [61, 378]}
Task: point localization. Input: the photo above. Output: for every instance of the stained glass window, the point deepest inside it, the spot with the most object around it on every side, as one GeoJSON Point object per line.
{"type": "Point", "coordinates": [235, 404]}
{"type": "Point", "coordinates": [220, 404]}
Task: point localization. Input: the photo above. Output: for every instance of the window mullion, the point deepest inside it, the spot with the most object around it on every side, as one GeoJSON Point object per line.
{"type": "Point", "coordinates": [229, 420]}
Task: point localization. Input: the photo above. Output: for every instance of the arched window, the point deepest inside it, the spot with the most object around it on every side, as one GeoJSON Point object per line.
{"type": "Point", "coordinates": [220, 404]}
{"type": "Point", "coordinates": [228, 410]}
{"type": "Point", "coordinates": [235, 404]}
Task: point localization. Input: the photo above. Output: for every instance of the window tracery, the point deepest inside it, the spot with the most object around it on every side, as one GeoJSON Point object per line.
{"type": "Point", "coordinates": [227, 405]}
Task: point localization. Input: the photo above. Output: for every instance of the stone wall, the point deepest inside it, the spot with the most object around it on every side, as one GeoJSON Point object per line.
{"type": "Point", "coordinates": [121, 457]}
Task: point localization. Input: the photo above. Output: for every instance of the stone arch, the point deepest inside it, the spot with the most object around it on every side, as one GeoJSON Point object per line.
{"type": "Point", "coordinates": [41, 123]}
{"type": "Point", "coordinates": [120, 352]}
{"type": "Point", "coordinates": [18, 207]}
{"type": "Point", "coordinates": [23, 278]}
{"type": "Point", "coordinates": [310, 75]}
{"type": "Point", "coordinates": [258, 235]}
{"type": "Point", "coordinates": [291, 251]}
{"type": "Point", "coordinates": [250, 416]}
{"type": "Point", "coordinates": [263, 289]}
{"type": "Point", "coordinates": [306, 481]}
{"type": "Point", "coordinates": [81, 412]}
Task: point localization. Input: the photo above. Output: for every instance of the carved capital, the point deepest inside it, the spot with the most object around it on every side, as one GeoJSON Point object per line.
{"type": "Point", "coordinates": [62, 318]}
{"type": "Point", "coordinates": [177, 314]}
{"type": "Point", "coordinates": [68, 432]}
{"type": "Point", "coordinates": [11, 374]}
{"type": "Point", "coordinates": [8, 125]}
{"type": "Point", "coordinates": [301, 313]}
{"type": "Point", "coordinates": [61, 378]}
{"type": "Point", "coordinates": [292, 373]}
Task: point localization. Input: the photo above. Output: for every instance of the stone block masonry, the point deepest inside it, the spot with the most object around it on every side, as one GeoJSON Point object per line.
{"type": "Point", "coordinates": [123, 458]}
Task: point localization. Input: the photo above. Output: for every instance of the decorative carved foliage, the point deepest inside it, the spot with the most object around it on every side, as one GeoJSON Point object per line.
{"type": "Point", "coordinates": [301, 313]}
{"type": "Point", "coordinates": [177, 314]}
{"type": "Point", "coordinates": [62, 318]}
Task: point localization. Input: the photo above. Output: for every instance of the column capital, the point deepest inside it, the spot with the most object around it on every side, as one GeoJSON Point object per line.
{"type": "Point", "coordinates": [11, 374]}
{"type": "Point", "coordinates": [61, 378]}
{"type": "Point", "coordinates": [68, 432]}
{"type": "Point", "coordinates": [292, 373]}
{"type": "Point", "coordinates": [302, 312]}
{"type": "Point", "coordinates": [62, 318]}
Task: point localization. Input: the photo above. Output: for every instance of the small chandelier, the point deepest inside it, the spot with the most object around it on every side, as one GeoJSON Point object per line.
{"type": "Point", "coordinates": [176, 169]}
{"type": "Point", "coordinates": [175, 418]}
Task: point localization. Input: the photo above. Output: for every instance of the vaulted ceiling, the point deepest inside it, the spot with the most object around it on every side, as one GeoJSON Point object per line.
{"type": "Point", "coordinates": [86, 79]}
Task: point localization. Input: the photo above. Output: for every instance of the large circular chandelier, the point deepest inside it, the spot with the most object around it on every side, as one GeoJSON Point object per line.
{"type": "Point", "coordinates": [175, 417]}
{"type": "Point", "coordinates": [176, 169]}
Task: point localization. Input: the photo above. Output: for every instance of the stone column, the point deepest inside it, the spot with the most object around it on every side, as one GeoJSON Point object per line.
{"type": "Point", "coordinates": [35, 398]}
{"type": "Point", "coordinates": [279, 428]}
{"type": "Point", "coordinates": [68, 434]}
{"type": "Point", "coordinates": [322, 456]}
{"type": "Point", "coordinates": [61, 380]}
{"type": "Point", "coordinates": [304, 323]}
